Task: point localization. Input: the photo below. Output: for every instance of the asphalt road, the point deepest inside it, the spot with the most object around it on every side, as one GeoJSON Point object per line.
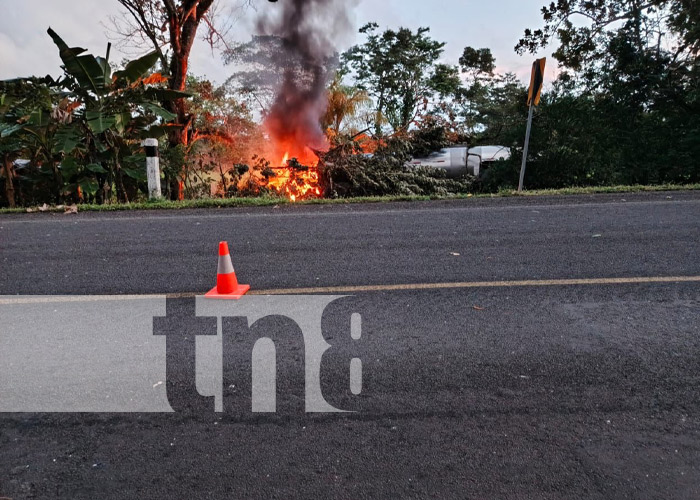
{"type": "Point", "coordinates": [554, 392]}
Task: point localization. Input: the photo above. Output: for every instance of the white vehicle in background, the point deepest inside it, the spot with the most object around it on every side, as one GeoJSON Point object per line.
{"type": "Point", "coordinates": [459, 161]}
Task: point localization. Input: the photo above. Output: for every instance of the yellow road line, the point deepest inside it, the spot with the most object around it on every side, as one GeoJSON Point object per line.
{"type": "Point", "coordinates": [334, 290]}
{"type": "Point", "coordinates": [478, 284]}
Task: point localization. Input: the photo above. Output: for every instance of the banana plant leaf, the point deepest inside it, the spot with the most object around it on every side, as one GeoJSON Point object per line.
{"type": "Point", "coordinates": [160, 111]}
{"type": "Point", "coordinates": [7, 129]}
{"type": "Point", "coordinates": [122, 120]}
{"type": "Point", "coordinates": [96, 168]}
{"type": "Point", "coordinates": [106, 69]}
{"type": "Point", "coordinates": [90, 73]}
{"type": "Point", "coordinates": [138, 174]}
{"type": "Point", "coordinates": [38, 118]}
{"type": "Point", "coordinates": [134, 161]}
{"type": "Point", "coordinates": [66, 139]}
{"type": "Point", "coordinates": [89, 186]}
{"type": "Point", "coordinates": [138, 67]}
{"type": "Point", "coordinates": [69, 168]}
{"type": "Point", "coordinates": [99, 122]}
{"type": "Point", "coordinates": [11, 145]}
{"type": "Point", "coordinates": [100, 146]}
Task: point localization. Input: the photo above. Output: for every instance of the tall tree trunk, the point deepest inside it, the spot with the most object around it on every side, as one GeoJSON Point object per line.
{"type": "Point", "coordinates": [183, 23]}
{"type": "Point", "coordinates": [637, 13]}
{"type": "Point", "coordinates": [224, 186]}
{"type": "Point", "coordinates": [9, 180]}
{"type": "Point", "coordinates": [378, 116]}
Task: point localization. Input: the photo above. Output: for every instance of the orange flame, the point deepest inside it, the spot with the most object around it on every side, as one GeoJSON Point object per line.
{"type": "Point", "coordinates": [297, 184]}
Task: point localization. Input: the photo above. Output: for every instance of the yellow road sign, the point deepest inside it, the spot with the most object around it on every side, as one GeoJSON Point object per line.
{"type": "Point", "coordinates": [536, 81]}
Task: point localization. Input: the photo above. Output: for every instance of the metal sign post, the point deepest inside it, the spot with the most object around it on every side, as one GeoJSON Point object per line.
{"type": "Point", "coordinates": [525, 148]}
{"type": "Point", "coordinates": [533, 99]}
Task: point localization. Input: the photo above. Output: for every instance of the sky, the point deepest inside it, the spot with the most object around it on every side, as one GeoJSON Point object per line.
{"type": "Point", "coordinates": [26, 49]}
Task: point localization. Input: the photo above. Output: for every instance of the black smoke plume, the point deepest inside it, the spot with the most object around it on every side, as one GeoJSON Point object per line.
{"type": "Point", "coordinates": [310, 31]}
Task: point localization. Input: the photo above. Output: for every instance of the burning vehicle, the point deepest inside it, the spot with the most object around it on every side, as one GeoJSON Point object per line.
{"type": "Point", "coordinates": [459, 161]}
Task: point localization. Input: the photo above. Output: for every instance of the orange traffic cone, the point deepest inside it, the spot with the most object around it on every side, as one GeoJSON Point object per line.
{"type": "Point", "coordinates": [227, 286]}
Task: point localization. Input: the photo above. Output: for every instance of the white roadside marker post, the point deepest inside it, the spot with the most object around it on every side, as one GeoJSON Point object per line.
{"type": "Point", "coordinates": [152, 168]}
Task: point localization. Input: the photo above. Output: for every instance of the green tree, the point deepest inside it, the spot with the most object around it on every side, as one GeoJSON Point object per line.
{"type": "Point", "coordinates": [397, 69]}
{"type": "Point", "coordinates": [632, 67]}
{"type": "Point", "coordinates": [497, 108]}
{"type": "Point", "coordinates": [476, 105]}
{"type": "Point", "coordinates": [477, 62]}
{"type": "Point", "coordinates": [478, 66]}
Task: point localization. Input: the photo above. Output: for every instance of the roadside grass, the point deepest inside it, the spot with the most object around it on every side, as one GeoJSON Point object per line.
{"type": "Point", "coordinates": [638, 188]}
{"type": "Point", "coordinates": [266, 201]}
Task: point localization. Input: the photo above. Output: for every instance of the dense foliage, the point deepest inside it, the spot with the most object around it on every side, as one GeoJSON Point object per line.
{"type": "Point", "coordinates": [625, 109]}
{"type": "Point", "coordinates": [348, 172]}
{"type": "Point", "coordinates": [79, 136]}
